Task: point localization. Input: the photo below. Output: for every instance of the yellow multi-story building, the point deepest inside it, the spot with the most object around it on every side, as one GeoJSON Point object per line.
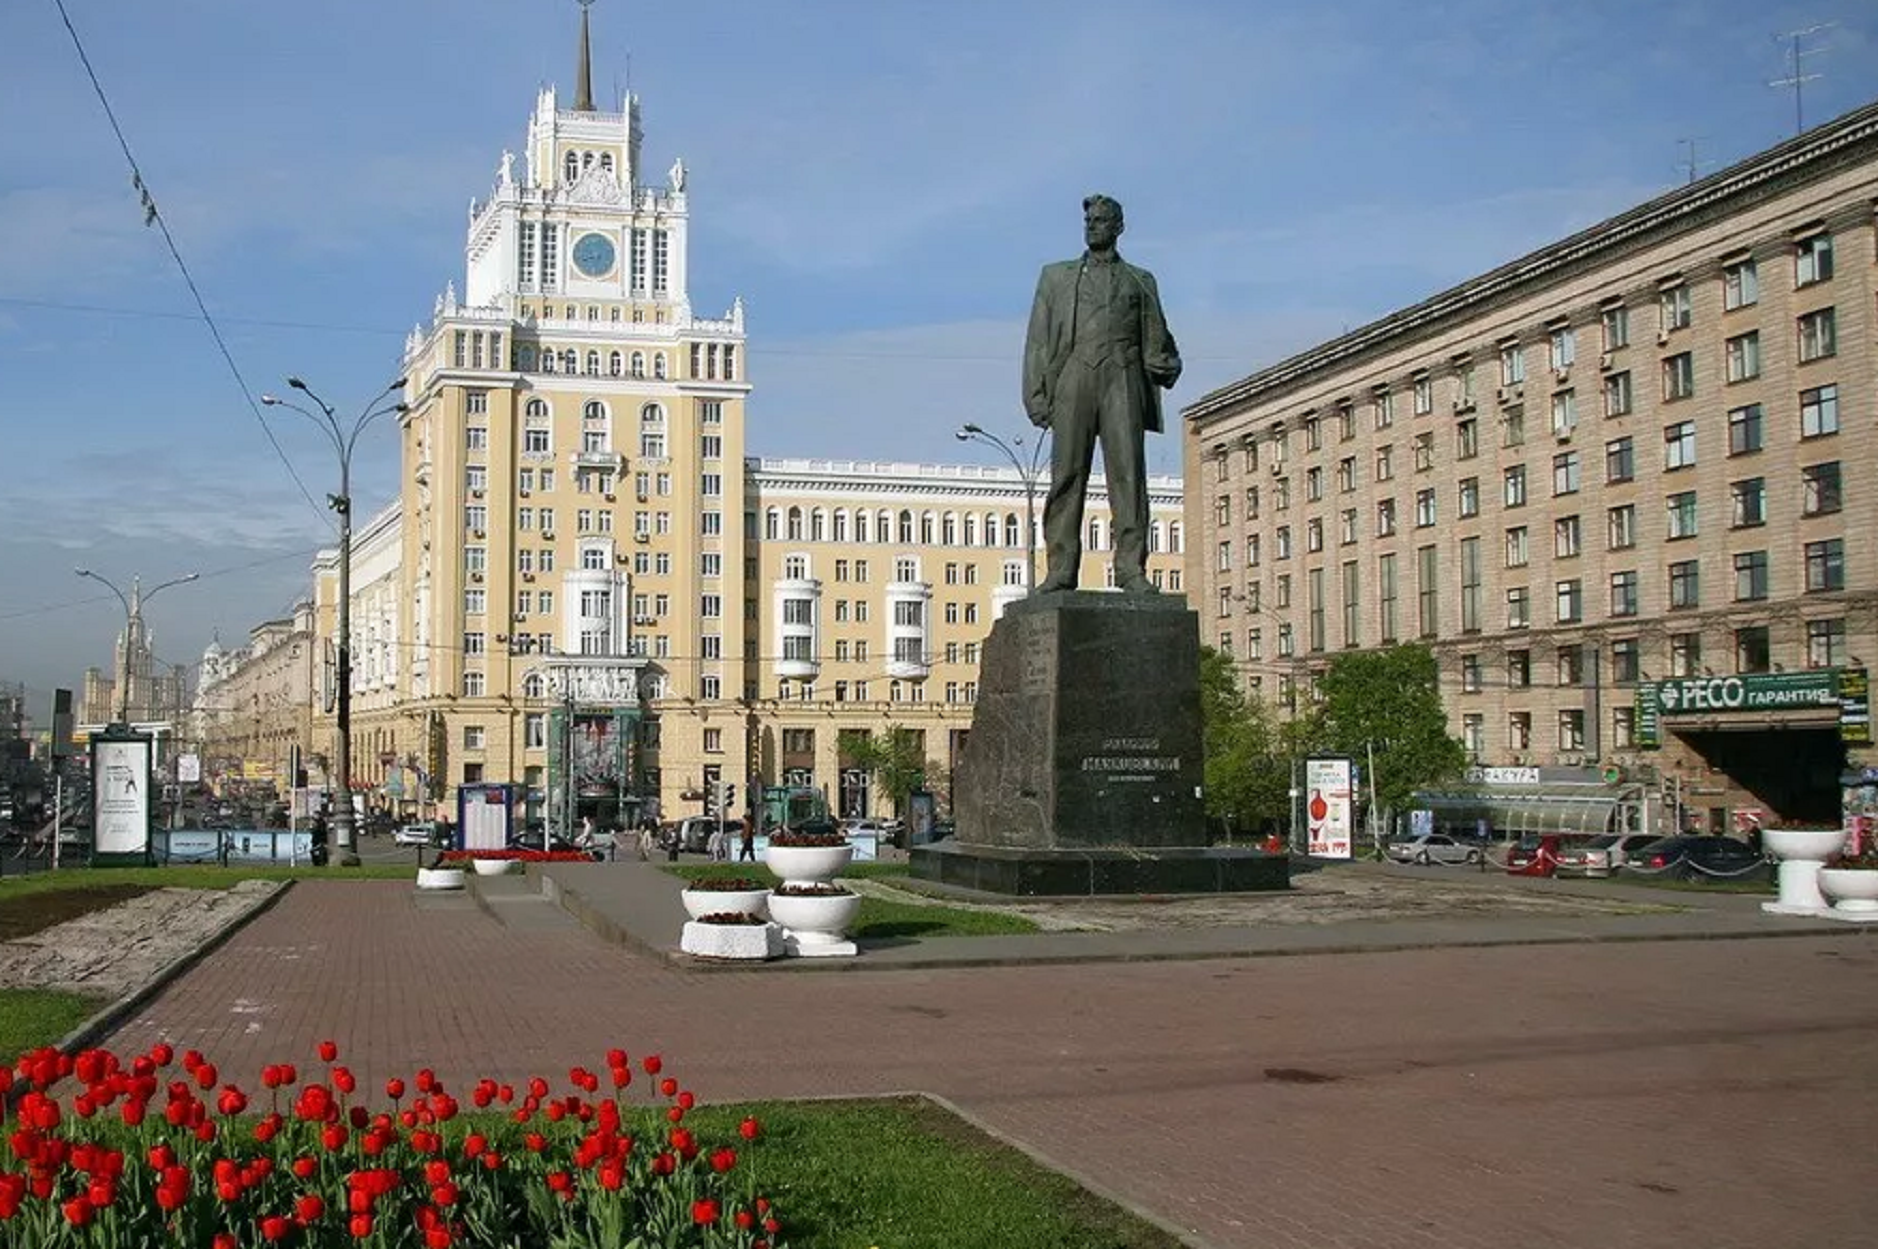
{"type": "Point", "coordinates": [585, 578]}
{"type": "Point", "coordinates": [1615, 484]}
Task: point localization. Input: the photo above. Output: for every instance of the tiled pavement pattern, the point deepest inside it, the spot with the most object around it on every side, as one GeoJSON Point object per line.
{"type": "Point", "coordinates": [1690, 1093]}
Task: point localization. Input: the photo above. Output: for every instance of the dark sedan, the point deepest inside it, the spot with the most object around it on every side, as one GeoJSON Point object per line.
{"type": "Point", "coordinates": [1699, 858]}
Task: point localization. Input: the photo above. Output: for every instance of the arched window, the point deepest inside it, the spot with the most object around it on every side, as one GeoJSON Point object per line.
{"type": "Point", "coordinates": [572, 165]}
{"type": "Point", "coordinates": [971, 529]}
{"type": "Point", "coordinates": [1154, 536]}
{"type": "Point", "coordinates": [949, 529]}
{"type": "Point", "coordinates": [652, 414]}
{"type": "Point", "coordinates": [593, 410]}
{"type": "Point", "coordinates": [772, 524]}
{"type": "Point", "coordinates": [593, 364]}
{"type": "Point", "coordinates": [1174, 543]}
{"type": "Point", "coordinates": [795, 568]}
{"type": "Point", "coordinates": [795, 524]}
{"type": "Point", "coordinates": [840, 533]}
{"type": "Point", "coordinates": [818, 526]}
{"type": "Point", "coordinates": [926, 528]}
{"type": "Point", "coordinates": [586, 159]}
{"type": "Point", "coordinates": [533, 686]}
{"type": "Point", "coordinates": [570, 361]}
{"type": "Point", "coordinates": [615, 363]}
{"type": "Point", "coordinates": [639, 364]}
{"type": "Point", "coordinates": [1013, 530]}
{"type": "Point", "coordinates": [658, 365]}
{"type": "Point", "coordinates": [861, 526]}
{"type": "Point", "coordinates": [1095, 533]}
{"type": "Point", "coordinates": [883, 526]}
{"type": "Point", "coordinates": [547, 360]}
{"type": "Point", "coordinates": [991, 529]}
{"type": "Point", "coordinates": [606, 161]}
{"type": "Point", "coordinates": [536, 408]}
{"type": "Point", "coordinates": [906, 528]}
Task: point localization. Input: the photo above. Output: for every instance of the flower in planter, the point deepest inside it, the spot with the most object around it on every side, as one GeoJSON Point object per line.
{"type": "Point", "coordinates": [726, 884]}
{"type": "Point", "coordinates": [733, 918]}
{"type": "Point", "coordinates": [457, 858]}
{"type": "Point", "coordinates": [787, 838]}
{"type": "Point", "coordinates": [810, 889]}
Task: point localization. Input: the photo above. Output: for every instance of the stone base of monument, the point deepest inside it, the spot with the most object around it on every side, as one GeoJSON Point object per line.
{"type": "Point", "coordinates": [1093, 872]}
{"type": "Point", "coordinates": [1083, 768]}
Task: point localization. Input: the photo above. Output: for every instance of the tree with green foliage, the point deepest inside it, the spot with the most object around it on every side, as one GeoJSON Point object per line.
{"type": "Point", "coordinates": [1389, 701]}
{"type": "Point", "coordinates": [1247, 760]}
{"type": "Point", "coordinates": [895, 758]}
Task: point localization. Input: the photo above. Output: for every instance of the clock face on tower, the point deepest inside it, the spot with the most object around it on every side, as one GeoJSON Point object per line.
{"type": "Point", "coordinates": [594, 255]}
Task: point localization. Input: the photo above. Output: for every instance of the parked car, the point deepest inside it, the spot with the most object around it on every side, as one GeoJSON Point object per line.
{"type": "Point", "coordinates": [421, 833]}
{"type": "Point", "coordinates": [1535, 854]}
{"type": "Point", "coordinates": [533, 838]}
{"type": "Point", "coordinates": [1600, 856]}
{"type": "Point", "coordinates": [694, 832]}
{"type": "Point", "coordinates": [1433, 848]}
{"type": "Point", "coordinates": [1703, 858]}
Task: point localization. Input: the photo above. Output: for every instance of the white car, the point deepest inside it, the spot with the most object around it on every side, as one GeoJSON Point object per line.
{"type": "Point", "coordinates": [419, 834]}
{"type": "Point", "coordinates": [1433, 848]}
{"type": "Point", "coordinates": [1600, 856]}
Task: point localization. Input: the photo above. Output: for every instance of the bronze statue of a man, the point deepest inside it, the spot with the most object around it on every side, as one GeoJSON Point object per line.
{"type": "Point", "coordinates": [1096, 358]}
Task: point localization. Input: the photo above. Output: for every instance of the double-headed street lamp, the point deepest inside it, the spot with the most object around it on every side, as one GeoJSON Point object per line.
{"type": "Point", "coordinates": [974, 433]}
{"type": "Point", "coordinates": [138, 597]}
{"type": "Point", "coordinates": [343, 441]}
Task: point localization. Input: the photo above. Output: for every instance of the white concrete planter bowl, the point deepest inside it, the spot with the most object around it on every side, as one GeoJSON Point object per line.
{"type": "Point", "coordinates": [1853, 891]}
{"type": "Point", "coordinates": [440, 878]}
{"type": "Point", "coordinates": [494, 867]}
{"type": "Point", "coordinates": [748, 942]}
{"type": "Point", "coordinates": [702, 902]}
{"type": "Point", "coordinates": [817, 925]}
{"type": "Point", "coordinates": [1801, 851]}
{"type": "Point", "coordinates": [808, 864]}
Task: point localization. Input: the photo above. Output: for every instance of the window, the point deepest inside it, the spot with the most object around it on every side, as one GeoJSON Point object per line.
{"type": "Point", "coordinates": [1624, 593]}
{"type": "Point", "coordinates": [1562, 347]}
{"type": "Point", "coordinates": [1749, 502]}
{"type": "Point", "coordinates": [1424, 396]}
{"type": "Point", "coordinates": [475, 602]}
{"type": "Point", "coordinates": [1750, 576]}
{"type": "Point", "coordinates": [1825, 643]}
{"type": "Point", "coordinates": [475, 438]}
{"type": "Point", "coordinates": [1626, 661]}
{"type": "Point", "coordinates": [1385, 463]}
{"type": "Point", "coordinates": [1567, 536]}
{"type": "Point", "coordinates": [1513, 483]}
{"type": "Point", "coordinates": [1685, 654]}
{"type": "Point", "coordinates": [1818, 335]}
{"type": "Point", "coordinates": [1615, 322]}
{"type": "Point", "coordinates": [537, 441]}
{"type": "Point", "coordinates": [1565, 476]}
{"type": "Point", "coordinates": [1571, 728]}
{"type": "Point", "coordinates": [1313, 434]}
{"type": "Point", "coordinates": [1743, 354]}
{"type": "Point", "coordinates": [1385, 518]}
{"type": "Point", "coordinates": [1386, 596]}
{"type": "Point", "coordinates": [1570, 664]}
{"type": "Point", "coordinates": [1424, 508]}
{"type": "Point", "coordinates": [1513, 427]}
{"type": "Point", "coordinates": [1470, 496]}
{"type": "Point", "coordinates": [1825, 565]}
{"type": "Point", "coordinates": [1282, 542]}
{"type": "Point", "coordinates": [1424, 452]}
{"type": "Point", "coordinates": [1466, 440]}
{"type": "Point", "coordinates": [1822, 494]}
{"type": "Point", "coordinates": [1519, 608]}
{"type": "Point", "coordinates": [1812, 260]}
{"type": "Point", "coordinates": [1617, 394]}
{"type": "Point", "coordinates": [1518, 669]}
{"type": "Point", "coordinates": [1519, 730]}
{"type": "Point", "coordinates": [1754, 650]}
{"type": "Point", "coordinates": [1679, 376]}
{"type": "Point", "coordinates": [1383, 410]}
{"type": "Point", "coordinates": [1470, 585]}
{"type": "Point", "coordinates": [1819, 411]}
{"type": "Point", "coordinates": [1685, 584]}
{"type": "Point", "coordinates": [1744, 429]}
{"type": "Point", "coordinates": [1314, 534]}
{"type": "Point", "coordinates": [473, 684]}
{"type": "Point", "coordinates": [1741, 285]}
{"type": "Point", "coordinates": [1680, 509]}
{"type": "Point", "coordinates": [1673, 308]}
{"type": "Point", "coordinates": [1622, 526]}
{"type": "Point", "coordinates": [1518, 551]}
{"type": "Point", "coordinates": [1314, 484]}
{"type": "Point", "coordinates": [1512, 364]}
{"type": "Point", "coordinates": [1470, 674]}
{"type": "Point", "coordinates": [1570, 596]}
{"type": "Point", "coordinates": [1564, 413]}
{"type": "Point", "coordinates": [1620, 460]}
{"type": "Point", "coordinates": [1428, 583]}
{"type": "Point", "coordinates": [1346, 474]}
{"type": "Point", "coordinates": [1679, 445]}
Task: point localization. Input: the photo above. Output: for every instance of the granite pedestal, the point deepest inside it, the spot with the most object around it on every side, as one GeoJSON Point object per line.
{"type": "Point", "coordinates": [1083, 770]}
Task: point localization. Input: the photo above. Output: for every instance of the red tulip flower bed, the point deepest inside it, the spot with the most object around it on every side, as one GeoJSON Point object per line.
{"type": "Point", "coordinates": [456, 858]}
{"type": "Point", "coordinates": [103, 1152]}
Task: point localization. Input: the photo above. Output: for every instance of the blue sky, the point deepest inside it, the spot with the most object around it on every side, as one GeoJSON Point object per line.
{"type": "Point", "coordinates": [879, 180]}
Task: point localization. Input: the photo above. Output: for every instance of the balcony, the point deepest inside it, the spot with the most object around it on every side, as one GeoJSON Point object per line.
{"type": "Point", "coordinates": [611, 461]}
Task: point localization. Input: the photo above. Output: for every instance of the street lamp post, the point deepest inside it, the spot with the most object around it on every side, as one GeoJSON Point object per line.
{"type": "Point", "coordinates": [343, 441]}
{"type": "Point", "coordinates": [130, 614]}
{"type": "Point", "coordinates": [974, 433]}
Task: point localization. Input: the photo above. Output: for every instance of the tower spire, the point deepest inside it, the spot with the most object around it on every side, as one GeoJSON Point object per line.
{"type": "Point", "coordinates": [583, 80]}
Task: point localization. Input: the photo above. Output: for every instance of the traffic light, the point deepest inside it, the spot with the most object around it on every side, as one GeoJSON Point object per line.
{"type": "Point", "coordinates": [730, 798]}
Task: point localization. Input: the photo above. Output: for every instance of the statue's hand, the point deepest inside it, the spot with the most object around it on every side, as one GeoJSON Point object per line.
{"type": "Point", "coordinates": [1040, 419]}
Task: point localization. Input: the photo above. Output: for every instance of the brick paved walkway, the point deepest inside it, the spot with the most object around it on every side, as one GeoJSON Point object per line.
{"type": "Point", "coordinates": [1713, 1093]}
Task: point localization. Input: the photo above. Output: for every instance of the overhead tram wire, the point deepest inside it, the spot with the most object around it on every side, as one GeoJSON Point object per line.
{"type": "Point", "coordinates": [49, 608]}
{"type": "Point", "coordinates": [152, 217]}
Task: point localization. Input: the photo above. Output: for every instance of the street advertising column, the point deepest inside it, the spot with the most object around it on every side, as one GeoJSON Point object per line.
{"type": "Point", "coordinates": [120, 797]}
{"type": "Point", "coordinates": [1328, 801]}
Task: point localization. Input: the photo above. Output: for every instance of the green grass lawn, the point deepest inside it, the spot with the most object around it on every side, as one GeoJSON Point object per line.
{"type": "Point", "coordinates": [883, 918]}
{"type": "Point", "coordinates": [30, 1018]}
{"type": "Point", "coordinates": [188, 876]}
{"type": "Point", "coordinates": [1750, 884]}
{"type": "Point", "coordinates": [906, 1174]}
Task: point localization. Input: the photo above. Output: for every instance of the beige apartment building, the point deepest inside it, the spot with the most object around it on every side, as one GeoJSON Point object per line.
{"type": "Point", "coordinates": [1615, 483]}
{"type": "Point", "coordinates": [587, 590]}
{"type": "Point", "coordinates": [254, 704]}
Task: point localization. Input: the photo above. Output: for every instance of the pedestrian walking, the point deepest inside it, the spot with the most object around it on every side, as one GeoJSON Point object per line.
{"type": "Point", "coordinates": [746, 851]}
{"type": "Point", "coordinates": [714, 845]}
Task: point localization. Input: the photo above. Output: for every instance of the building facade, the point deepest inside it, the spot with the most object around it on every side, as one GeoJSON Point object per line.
{"type": "Point", "coordinates": [1614, 484]}
{"type": "Point", "coordinates": [588, 590]}
{"type": "Point", "coordinates": [254, 705]}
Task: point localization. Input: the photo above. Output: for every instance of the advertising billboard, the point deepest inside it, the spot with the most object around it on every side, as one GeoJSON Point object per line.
{"type": "Point", "coordinates": [1329, 796]}
{"type": "Point", "coordinates": [120, 796]}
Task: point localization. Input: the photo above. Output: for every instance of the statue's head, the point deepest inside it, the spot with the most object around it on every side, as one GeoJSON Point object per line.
{"type": "Point", "coordinates": [1101, 221]}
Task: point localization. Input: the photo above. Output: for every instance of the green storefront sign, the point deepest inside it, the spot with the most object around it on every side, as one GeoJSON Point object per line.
{"type": "Point", "coordinates": [1842, 689]}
